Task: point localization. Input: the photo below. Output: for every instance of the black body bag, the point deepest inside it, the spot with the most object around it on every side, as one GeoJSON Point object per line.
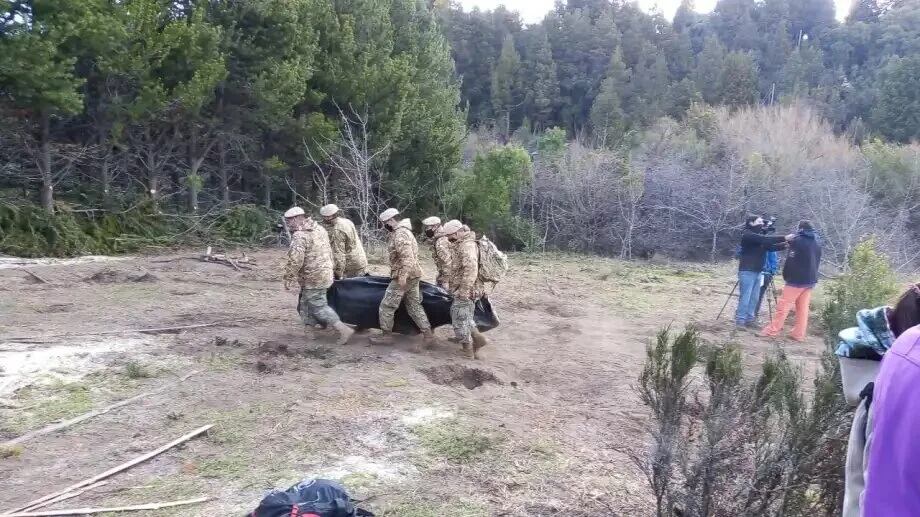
{"type": "Point", "coordinates": [309, 498]}
{"type": "Point", "coordinates": [356, 301]}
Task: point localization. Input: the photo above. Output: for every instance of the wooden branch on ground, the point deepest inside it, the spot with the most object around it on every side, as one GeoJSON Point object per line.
{"type": "Point", "coordinates": [220, 258]}
{"type": "Point", "coordinates": [41, 339]}
{"type": "Point", "coordinates": [65, 497]}
{"type": "Point", "coordinates": [91, 511]}
{"type": "Point", "coordinates": [109, 473]}
{"type": "Point", "coordinates": [86, 416]}
{"type": "Point", "coordinates": [33, 275]}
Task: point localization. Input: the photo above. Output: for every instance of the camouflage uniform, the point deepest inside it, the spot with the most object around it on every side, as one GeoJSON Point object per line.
{"type": "Point", "coordinates": [441, 252]}
{"type": "Point", "coordinates": [347, 251]}
{"type": "Point", "coordinates": [309, 264]}
{"type": "Point", "coordinates": [403, 251]}
{"type": "Point", "coordinates": [465, 287]}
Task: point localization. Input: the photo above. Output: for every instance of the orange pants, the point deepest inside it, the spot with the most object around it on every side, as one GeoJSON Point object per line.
{"type": "Point", "coordinates": [800, 297]}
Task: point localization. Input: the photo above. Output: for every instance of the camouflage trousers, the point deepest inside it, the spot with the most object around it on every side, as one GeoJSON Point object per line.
{"type": "Point", "coordinates": [394, 296]}
{"type": "Point", "coordinates": [353, 272]}
{"type": "Point", "coordinates": [314, 309]}
{"type": "Point", "coordinates": [461, 317]}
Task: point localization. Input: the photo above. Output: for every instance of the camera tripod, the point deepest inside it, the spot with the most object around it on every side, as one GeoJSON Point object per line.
{"type": "Point", "coordinates": [769, 293]}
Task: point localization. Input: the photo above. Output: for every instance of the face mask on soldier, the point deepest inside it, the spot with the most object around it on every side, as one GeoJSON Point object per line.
{"type": "Point", "coordinates": [429, 232]}
{"type": "Point", "coordinates": [390, 226]}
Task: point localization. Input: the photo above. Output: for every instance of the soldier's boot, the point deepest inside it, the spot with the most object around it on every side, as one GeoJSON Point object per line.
{"type": "Point", "coordinates": [479, 340]}
{"type": "Point", "coordinates": [453, 339]}
{"type": "Point", "coordinates": [384, 339]}
{"type": "Point", "coordinates": [428, 339]}
{"type": "Point", "coordinates": [469, 351]}
{"type": "Point", "coordinates": [345, 333]}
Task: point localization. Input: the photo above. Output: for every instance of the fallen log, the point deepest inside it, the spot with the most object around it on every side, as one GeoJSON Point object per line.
{"type": "Point", "coordinates": [91, 511]}
{"type": "Point", "coordinates": [112, 471]}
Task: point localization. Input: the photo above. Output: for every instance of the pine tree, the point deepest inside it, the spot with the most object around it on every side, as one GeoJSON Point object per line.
{"type": "Point", "coordinates": [708, 73]}
{"type": "Point", "coordinates": [607, 118]}
{"type": "Point", "coordinates": [41, 45]}
{"type": "Point", "coordinates": [505, 86]}
{"type": "Point", "coordinates": [542, 85]}
{"type": "Point", "coordinates": [739, 80]}
{"type": "Point", "coordinates": [897, 111]}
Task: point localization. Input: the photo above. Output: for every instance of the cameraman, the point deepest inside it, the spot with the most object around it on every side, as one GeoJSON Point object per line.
{"type": "Point", "coordinates": [751, 258]}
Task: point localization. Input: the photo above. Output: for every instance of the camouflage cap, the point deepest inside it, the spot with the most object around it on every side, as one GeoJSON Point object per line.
{"type": "Point", "coordinates": [431, 221]}
{"type": "Point", "coordinates": [450, 227]}
{"type": "Point", "coordinates": [388, 214]}
{"type": "Point", "coordinates": [294, 212]}
{"type": "Point", "coordinates": [328, 210]}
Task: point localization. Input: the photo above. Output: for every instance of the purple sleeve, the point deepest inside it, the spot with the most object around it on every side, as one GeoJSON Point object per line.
{"type": "Point", "coordinates": [893, 476]}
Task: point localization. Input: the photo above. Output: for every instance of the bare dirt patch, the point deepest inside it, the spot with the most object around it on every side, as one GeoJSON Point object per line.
{"type": "Point", "coordinates": [421, 435]}
{"type": "Point", "coordinates": [459, 375]}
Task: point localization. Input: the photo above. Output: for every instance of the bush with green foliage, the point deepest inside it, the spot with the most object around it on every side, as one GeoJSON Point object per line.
{"type": "Point", "coordinates": [867, 283]}
{"type": "Point", "coordinates": [486, 195]}
{"type": "Point", "coordinates": [243, 224]}
{"type": "Point", "coordinates": [28, 231]}
{"type": "Point", "coordinates": [726, 445]}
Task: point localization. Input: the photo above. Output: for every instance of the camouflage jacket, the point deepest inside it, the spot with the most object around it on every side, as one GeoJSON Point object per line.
{"type": "Point", "coordinates": [403, 250]}
{"type": "Point", "coordinates": [309, 260]}
{"type": "Point", "coordinates": [464, 278]}
{"type": "Point", "coordinates": [347, 250]}
{"type": "Point", "coordinates": [441, 253]}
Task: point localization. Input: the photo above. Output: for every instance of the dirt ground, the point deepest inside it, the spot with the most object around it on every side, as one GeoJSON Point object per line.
{"type": "Point", "coordinates": [534, 428]}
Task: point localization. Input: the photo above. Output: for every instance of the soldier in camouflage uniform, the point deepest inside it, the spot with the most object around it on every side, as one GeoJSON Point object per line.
{"type": "Point", "coordinates": [465, 286]}
{"type": "Point", "coordinates": [309, 264]}
{"type": "Point", "coordinates": [405, 275]}
{"type": "Point", "coordinates": [347, 251]}
{"type": "Point", "coordinates": [440, 251]}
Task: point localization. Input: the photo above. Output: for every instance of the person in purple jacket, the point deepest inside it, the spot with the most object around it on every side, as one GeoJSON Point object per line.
{"type": "Point", "coordinates": [893, 472]}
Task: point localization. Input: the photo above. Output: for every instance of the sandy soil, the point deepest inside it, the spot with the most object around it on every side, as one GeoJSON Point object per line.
{"type": "Point", "coordinates": [534, 428]}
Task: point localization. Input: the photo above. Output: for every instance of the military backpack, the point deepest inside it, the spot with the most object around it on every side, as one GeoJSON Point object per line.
{"type": "Point", "coordinates": [493, 264]}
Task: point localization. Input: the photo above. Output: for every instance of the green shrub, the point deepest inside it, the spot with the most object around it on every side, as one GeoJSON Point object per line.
{"type": "Point", "coordinates": [243, 224]}
{"type": "Point", "coordinates": [867, 283]}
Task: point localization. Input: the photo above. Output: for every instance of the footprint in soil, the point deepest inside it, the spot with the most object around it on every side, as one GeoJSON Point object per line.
{"type": "Point", "coordinates": [456, 375]}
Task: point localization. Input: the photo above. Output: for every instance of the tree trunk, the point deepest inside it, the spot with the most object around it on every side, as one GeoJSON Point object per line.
{"type": "Point", "coordinates": [222, 172]}
{"type": "Point", "coordinates": [47, 188]}
{"type": "Point", "coordinates": [266, 191]}
{"type": "Point", "coordinates": [192, 181]}
{"type": "Point", "coordinates": [106, 179]}
{"type": "Point", "coordinates": [715, 244]}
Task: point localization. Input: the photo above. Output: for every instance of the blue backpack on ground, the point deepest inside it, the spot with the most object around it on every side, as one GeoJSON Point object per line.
{"type": "Point", "coordinates": [310, 498]}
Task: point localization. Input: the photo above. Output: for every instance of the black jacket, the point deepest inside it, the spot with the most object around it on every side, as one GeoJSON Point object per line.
{"type": "Point", "coordinates": [754, 247]}
{"type": "Point", "coordinates": [801, 269]}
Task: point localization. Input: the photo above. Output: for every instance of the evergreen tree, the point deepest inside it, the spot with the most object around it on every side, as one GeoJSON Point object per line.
{"type": "Point", "coordinates": [541, 84]}
{"type": "Point", "coordinates": [505, 86]}
{"type": "Point", "coordinates": [607, 118]}
{"type": "Point", "coordinates": [708, 73]}
{"type": "Point", "coordinates": [739, 80]}
{"type": "Point", "coordinates": [897, 111]}
{"type": "Point", "coordinates": [40, 44]}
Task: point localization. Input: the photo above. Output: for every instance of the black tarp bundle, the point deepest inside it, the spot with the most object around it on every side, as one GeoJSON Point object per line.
{"type": "Point", "coordinates": [312, 497]}
{"type": "Point", "coordinates": [356, 301]}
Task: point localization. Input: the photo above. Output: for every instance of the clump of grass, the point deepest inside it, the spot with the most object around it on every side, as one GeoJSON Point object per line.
{"type": "Point", "coordinates": [49, 404]}
{"type": "Point", "coordinates": [10, 451]}
{"type": "Point", "coordinates": [136, 370]}
{"type": "Point", "coordinates": [226, 467]}
{"type": "Point", "coordinates": [454, 442]}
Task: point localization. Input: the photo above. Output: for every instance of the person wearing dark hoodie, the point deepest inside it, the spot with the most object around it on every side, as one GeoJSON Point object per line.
{"type": "Point", "coordinates": [751, 257]}
{"type": "Point", "coordinates": [800, 275]}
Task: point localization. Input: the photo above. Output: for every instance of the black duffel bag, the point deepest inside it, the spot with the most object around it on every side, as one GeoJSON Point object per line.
{"type": "Point", "coordinates": [356, 301]}
{"type": "Point", "coordinates": [309, 498]}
